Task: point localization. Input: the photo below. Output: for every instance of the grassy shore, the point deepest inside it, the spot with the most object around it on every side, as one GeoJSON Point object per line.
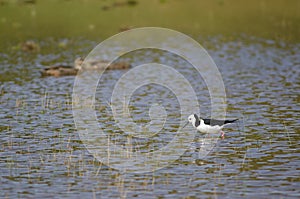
{"type": "Point", "coordinates": [97, 20]}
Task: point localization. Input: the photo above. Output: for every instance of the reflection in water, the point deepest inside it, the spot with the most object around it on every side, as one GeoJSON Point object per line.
{"type": "Point", "coordinates": [42, 155]}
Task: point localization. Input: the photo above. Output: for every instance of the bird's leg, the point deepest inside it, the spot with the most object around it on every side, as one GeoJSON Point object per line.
{"type": "Point", "coordinates": [222, 134]}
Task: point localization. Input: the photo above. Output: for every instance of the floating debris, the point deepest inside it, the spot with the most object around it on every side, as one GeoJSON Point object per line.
{"type": "Point", "coordinates": [30, 46]}
{"type": "Point", "coordinates": [120, 4]}
{"type": "Point", "coordinates": [106, 7]}
{"type": "Point", "coordinates": [132, 2]}
{"type": "Point", "coordinates": [99, 65]}
{"type": "Point", "coordinates": [79, 64]}
{"type": "Point", "coordinates": [27, 1]}
{"type": "Point", "coordinates": [125, 28]}
{"type": "Point", "coordinates": [59, 70]}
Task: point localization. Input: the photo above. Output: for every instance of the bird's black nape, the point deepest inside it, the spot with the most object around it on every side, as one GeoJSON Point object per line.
{"type": "Point", "coordinates": [197, 122]}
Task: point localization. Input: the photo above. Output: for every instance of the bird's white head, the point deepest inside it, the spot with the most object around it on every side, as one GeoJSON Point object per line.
{"type": "Point", "coordinates": [194, 119]}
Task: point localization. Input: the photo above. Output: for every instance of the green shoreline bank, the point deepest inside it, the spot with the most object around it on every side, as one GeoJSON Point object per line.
{"type": "Point", "coordinates": [97, 20]}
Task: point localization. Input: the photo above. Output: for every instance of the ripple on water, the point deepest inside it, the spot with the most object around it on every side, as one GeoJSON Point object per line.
{"type": "Point", "coordinates": [43, 156]}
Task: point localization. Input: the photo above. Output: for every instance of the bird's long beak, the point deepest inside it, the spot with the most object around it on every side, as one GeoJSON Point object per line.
{"type": "Point", "coordinates": [185, 124]}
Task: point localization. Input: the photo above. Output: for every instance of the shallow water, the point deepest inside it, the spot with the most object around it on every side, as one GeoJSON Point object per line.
{"type": "Point", "coordinates": [43, 156]}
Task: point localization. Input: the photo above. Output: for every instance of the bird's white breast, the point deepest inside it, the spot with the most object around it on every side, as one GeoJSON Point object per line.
{"type": "Point", "coordinates": [204, 128]}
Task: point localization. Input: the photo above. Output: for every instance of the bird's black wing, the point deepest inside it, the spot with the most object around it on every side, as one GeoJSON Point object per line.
{"type": "Point", "coordinates": [214, 122]}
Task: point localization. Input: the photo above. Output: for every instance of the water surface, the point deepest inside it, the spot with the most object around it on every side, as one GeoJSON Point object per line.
{"type": "Point", "coordinates": [256, 48]}
{"type": "Point", "coordinates": [43, 156]}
